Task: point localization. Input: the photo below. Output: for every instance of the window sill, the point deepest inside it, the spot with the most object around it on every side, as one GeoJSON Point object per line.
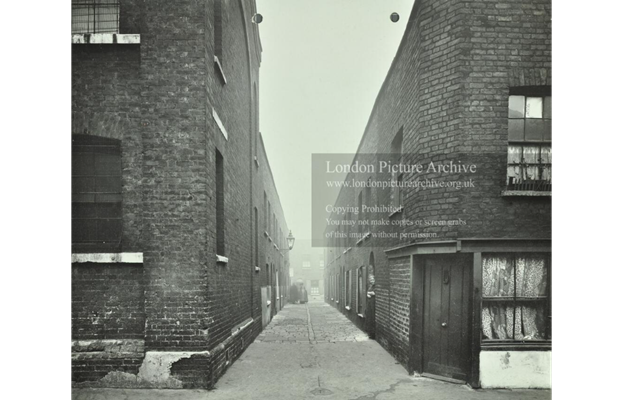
{"type": "Point", "coordinates": [364, 237]}
{"type": "Point", "coordinates": [347, 307]}
{"type": "Point", "coordinates": [220, 69]}
{"type": "Point", "coordinates": [107, 258]}
{"type": "Point", "coordinates": [219, 123]}
{"type": "Point", "coordinates": [222, 259]}
{"type": "Point", "coordinates": [360, 315]}
{"type": "Point", "coordinates": [516, 346]}
{"type": "Point", "coordinates": [105, 38]}
{"type": "Point", "coordinates": [257, 163]}
{"type": "Point", "coordinates": [398, 211]}
{"type": "Point", "coordinates": [524, 193]}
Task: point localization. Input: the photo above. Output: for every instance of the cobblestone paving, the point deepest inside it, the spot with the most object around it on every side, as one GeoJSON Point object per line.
{"type": "Point", "coordinates": [310, 323]}
{"type": "Point", "coordinates": [311, 351]}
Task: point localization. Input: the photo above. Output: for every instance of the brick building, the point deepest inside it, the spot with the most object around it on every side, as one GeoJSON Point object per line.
{"type": "Point", "coordinates": [179, 256]}
{"type": "Point", "coordinates": [307, 268]}
{"type": "Point", "coordinates": [457, 285]}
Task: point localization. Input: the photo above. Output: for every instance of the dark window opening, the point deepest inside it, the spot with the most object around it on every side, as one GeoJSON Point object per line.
{"type": "Point", "coordinates": [257, 238]}
{"type": "Point", "coordinates": [96, 194]}
{"type": "Point", "coordinates": [94, 16]}
{"type": "Point", "coordinates": [218, 30]}
{"type": "Point", "coordinates": [396, 157]}
{"type": "Point", "coordinates": [220, 205]}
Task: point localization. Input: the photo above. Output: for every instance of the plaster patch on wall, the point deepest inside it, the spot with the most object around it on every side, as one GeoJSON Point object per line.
{"type": "Point", "coordinates": [516, 369]}
{"type": "Point", "coordinates": [155, 372]}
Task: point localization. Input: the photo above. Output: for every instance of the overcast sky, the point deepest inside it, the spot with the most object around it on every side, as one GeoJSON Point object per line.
{"type": "Point", "coordinates": [323, 63]}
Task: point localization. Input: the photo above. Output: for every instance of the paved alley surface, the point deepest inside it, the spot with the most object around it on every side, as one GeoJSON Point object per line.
{"type": "Point", "coordinates": [313, 352]}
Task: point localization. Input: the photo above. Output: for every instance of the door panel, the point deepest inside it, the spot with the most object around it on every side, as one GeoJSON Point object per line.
{"type": "Point", "coordinates": [446, 316]}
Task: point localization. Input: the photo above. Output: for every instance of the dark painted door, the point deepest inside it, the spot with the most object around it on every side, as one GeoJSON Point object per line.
{"type": "Point", "coordinates": [446, 316]}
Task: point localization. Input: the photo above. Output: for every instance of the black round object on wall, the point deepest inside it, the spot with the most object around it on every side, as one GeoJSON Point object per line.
{"type": "Point", "coordinates": [394, 17]}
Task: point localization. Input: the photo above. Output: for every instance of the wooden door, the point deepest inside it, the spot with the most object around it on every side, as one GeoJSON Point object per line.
{"type": "Point", "coordinates": [446, 317]}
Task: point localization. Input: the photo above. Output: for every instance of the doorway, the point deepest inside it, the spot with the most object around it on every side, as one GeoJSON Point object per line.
{"type": "Point", "coordinates": [444, 292]}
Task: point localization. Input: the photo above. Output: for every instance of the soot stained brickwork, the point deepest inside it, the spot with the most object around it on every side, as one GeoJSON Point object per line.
{"type": "Point", "coordinates": [173, 107]}
{"type": "Point", "coordinates": [447, 94]}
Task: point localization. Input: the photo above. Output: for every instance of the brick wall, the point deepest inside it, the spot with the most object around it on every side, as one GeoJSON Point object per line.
{"type": "Point", "coordinates": [158, 99]}
{"type": "Point", "coordinates": [447, 92]}
{"type": "Point", "coordinates": [107, 301]}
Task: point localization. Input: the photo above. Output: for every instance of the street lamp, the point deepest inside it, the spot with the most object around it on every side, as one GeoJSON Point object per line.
{"type": "Point", "coordinates": [290, 239]}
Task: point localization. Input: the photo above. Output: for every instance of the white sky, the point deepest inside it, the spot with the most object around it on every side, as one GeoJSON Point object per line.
{"type": "Point", "coordinates": [323, 63]}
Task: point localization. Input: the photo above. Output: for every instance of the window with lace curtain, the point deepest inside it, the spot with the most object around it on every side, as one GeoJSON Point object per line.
{"type": "Point", "coordinates": [516, 303]}
{"type": "Point", "coordinates": [530, 139]}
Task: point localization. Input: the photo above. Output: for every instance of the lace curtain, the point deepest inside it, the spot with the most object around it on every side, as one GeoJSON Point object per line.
{"type": "Point", "coordinates": [520, 283]}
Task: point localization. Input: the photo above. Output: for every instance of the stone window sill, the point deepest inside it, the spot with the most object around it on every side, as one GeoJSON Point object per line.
{"type": "Point", "coordinates": [222, 259]}
{"type": "Point", "coordinates": [347, 307]}
{"type": "Point", "coordinates": [107, 258]}
{"type": "Point", "coordinates": [398, 211]}
{"type": "Point", "coordinates": [105, 38]}
{"type": "Point", "coordinates": [220, 69]}
{"type": "Point", "coordinates": [524, 193]}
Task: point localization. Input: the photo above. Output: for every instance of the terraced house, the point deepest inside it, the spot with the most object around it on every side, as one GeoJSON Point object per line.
{"type": "Point", "coordinates": [457, 284]}
{"type": "Point", "coordinates": [179, 250]}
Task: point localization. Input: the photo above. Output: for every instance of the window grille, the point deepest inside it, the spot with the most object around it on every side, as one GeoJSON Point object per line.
{"type": "Point", "coordinates": [101, 16]}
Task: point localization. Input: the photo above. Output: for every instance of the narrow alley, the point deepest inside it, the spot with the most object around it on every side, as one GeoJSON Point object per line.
{"type": "Point", "coordinates": [311, 351]}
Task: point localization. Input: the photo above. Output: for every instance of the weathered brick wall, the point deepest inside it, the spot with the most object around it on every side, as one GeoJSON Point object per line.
{"type": "Point", "coordinates": [106, 79]}
{"type": "Point", "coordinates": [107, 301]}
{"type": "Point", "coordinates": [157, 98]}
{"type": "Point", "coordinates": [108, 320]}
{"type": "Point", "coordinates": [447, 91]}
{"type": "Point", "coordinates": [400, 289]}
{"type": "Point", "coordinates": [173, 65]}
{"type": "Point", "coordinates": [509, 46]}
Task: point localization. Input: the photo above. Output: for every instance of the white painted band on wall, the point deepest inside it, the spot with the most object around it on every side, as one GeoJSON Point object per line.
{"type": "Point", "coordinates": [107, 258]}
{"type": "Point", "coordinates": [106, 38]}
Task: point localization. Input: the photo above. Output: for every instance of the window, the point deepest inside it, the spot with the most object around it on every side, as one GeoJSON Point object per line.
{"type": "Point", "coordinates": [368, 203]}
{"type": "Point", "coordinates": [396, 156]}
{"type": "Point", "coordinates": [96, 194]}
{"type": "Point", "coordinates": [360, 214]}
{"type": "Point", "coordinates": [256, 221]}
{"type": "Point", "coordinates": [361, 291]}
{"type": "Point", "coordinates": [347, 286]}
{"type": "Point", "coordinates": [94, 16]}
{"type": "Point", "coordinates": [315, 287]}
{"type": "Point", "coordinates": [220, 205]}
{"type": "Point", "coordinates": [529, 140]}
{"type": "Point", "coordinates": [516, 297]}
{"type": "Point", "coordinates": [218, 29]}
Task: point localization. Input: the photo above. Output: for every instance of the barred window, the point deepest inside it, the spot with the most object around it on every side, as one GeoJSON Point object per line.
{"type": "Point", "coordinates": [96, 194]}
{"type": "Point", "coordinates": [95, 16]}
